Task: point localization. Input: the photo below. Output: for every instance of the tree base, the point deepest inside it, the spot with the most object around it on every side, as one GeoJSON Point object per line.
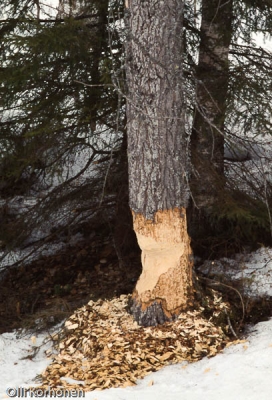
{"type": "Point", "coordinates": [152, 315]}
{"type": "Point", "coordinates": [164, 288]}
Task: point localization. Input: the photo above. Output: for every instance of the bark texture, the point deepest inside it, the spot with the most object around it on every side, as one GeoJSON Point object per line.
{"type": "Point", "coordinates": [156, 144]}
{"type": "Point", "coordinates": [207, 141]}
{"type": "Point", "coordinates": [157, 159]}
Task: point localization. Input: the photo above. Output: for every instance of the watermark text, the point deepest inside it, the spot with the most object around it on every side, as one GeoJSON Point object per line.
{"type": "Point", "coordinates": [38, 392]}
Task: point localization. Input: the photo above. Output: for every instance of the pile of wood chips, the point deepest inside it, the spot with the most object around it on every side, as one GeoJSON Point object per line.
{"type": "Point", "coordinates": [103, 347]}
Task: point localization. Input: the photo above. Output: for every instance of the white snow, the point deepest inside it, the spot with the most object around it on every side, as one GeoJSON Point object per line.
{"type": "Point", "coordinates": [241, 372]}
{"type": "Point", "coordinates": [253, 270]}
{"type": "Point", "coordinates": [15, 371]}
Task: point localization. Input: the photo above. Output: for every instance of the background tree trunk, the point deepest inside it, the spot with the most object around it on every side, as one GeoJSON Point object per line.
{"type": "Point", "coordinates": [157, 159]}
{"type": "Point", "coordinates": [207, 141]}
{"type": "Point", "coordinates": [124, 236]}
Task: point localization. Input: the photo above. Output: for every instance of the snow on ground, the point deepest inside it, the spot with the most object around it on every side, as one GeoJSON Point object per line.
{"type": "Point", "coordinates": [15, 371]}
{"type": "Point", "coordinates": [253, 270]}
{"type": "Point", "coordinates": [34, 252]}
{"type": "Point", "coordinates": [242, 372]}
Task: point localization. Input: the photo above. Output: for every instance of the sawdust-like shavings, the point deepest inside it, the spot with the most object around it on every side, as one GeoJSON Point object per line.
{"type": "Point", "coordinates": [105, 347]}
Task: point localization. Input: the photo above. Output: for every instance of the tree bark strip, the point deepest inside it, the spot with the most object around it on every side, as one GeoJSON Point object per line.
{"type": "Point", "coordinates": [157, 158]}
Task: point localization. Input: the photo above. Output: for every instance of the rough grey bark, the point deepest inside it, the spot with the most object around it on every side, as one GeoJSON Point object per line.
{"type": "Point", "coordinates": [207, 141]}
{"type": "Point", "coordinates": [156, 143]}
{"type": "Point", "coordinates": [157, 156]}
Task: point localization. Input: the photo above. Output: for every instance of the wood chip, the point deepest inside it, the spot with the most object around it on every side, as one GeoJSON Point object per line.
{"type": "Point", "coordinates": [104, 347]}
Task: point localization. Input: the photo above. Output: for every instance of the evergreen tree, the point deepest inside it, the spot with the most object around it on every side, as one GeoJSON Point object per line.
{"type": "Point", "coordinates": [232, 100]}
{"type": "Point", "coordinates": [58, 101]}
{"type": "Point", "coordinates": [62, 86]}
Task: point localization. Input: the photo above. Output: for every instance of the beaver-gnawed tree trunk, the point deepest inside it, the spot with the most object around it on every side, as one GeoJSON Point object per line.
{"type": "Point", "coordinates": [157, 159]}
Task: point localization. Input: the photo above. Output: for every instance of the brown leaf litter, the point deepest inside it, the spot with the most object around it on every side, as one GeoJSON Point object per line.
{"type": "Point", "coordinates": [102, 346]}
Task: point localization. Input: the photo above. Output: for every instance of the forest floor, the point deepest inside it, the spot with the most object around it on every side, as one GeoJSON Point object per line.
{"type": "Point", "coordinates": [38, 295]}
{"type": "Point", "coordinates": [86, 280]}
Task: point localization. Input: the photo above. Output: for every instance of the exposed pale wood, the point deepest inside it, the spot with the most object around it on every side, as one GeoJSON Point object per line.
{"type": "Point", "coordinates": [157, 158]}
{"type": "Point", "coordinates": [166, 260]}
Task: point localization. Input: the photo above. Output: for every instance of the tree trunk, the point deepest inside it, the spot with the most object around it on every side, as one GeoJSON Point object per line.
{"type": "Point", "coordinates": [207, 140]}
{"type": "Point", "coordinates": [124, 236]}
{"type": "Point", "coordinates": [157, 159]}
